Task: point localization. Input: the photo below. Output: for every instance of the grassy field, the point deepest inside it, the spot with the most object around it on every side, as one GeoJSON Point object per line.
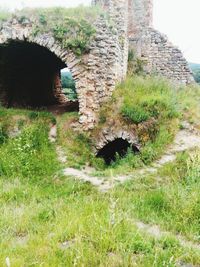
{"type": "Point", "coordinates": [48, 219]}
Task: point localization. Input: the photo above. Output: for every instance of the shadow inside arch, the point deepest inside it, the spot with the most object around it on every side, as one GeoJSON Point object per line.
{"type": "Point", "coordinates": [116, 148]}
{"type": "Point", "coordinates": [30, 77]}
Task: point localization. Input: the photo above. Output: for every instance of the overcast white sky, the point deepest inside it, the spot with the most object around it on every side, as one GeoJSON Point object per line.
{"type": "Point", "coordinates": [179, 19]}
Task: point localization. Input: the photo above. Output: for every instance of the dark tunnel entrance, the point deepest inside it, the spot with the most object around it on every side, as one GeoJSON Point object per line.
{"type": "Point", "coordinates": [118, 147]}
{"type": "Point", "coordinates": [30, 76]}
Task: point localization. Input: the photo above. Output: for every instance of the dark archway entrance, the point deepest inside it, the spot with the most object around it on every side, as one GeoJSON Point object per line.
{"type": "Point", "coordinates": [117, 147]}
{"type": "Point", "coordinates": [30, 76]}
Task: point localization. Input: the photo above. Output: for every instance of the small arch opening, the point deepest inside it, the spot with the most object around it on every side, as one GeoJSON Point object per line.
{"type": "Point", "coordinates": [30, 77]}
{"type": "Point", "coordinates": [118, 147]}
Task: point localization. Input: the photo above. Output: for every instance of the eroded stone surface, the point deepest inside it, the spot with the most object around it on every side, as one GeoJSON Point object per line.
{"type": "Point", "coordinates": [153, 48]}
{"type": "Point", "coordinates": [160, 56]}
{"type": "Point", "coordinates": [96, 73]}
{"type": "Point", "coordinates": [110, 134]}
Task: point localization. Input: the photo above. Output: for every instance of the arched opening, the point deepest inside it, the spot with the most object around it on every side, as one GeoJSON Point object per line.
{"type": "Point", "coordinates": [30, 76]}
{"type": "Point", "coordinates": [118, 147]}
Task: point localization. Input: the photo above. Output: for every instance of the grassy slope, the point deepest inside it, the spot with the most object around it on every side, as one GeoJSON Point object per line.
{"type": "Point", "coordinates": [149, 104]}
{"type": "Point", "coordinates": [50, 220]}
{"type": "Point", "coordinates": [140, 103]}
{"type": "Point", "coordinates": [170, 199]}
{"type": "Point", "coordinates": [152, 107]}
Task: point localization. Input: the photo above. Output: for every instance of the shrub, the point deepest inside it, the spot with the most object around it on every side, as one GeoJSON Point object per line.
{"type": "Point", "coordinates": [74, 34]}
{"type": "Point", "coordinates": [135, 114]}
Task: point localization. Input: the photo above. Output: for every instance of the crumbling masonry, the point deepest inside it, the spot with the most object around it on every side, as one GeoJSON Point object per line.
{"type": "Point", "coordinates": [128, 27]}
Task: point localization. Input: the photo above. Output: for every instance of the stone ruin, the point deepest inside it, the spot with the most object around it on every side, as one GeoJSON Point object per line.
{"type": "Point", "coordinates": [30, 64]}
{"type": "Point", "coordinates": [150, 46]}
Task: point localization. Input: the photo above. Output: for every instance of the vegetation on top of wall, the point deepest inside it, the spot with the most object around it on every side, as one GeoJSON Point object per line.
{"type": "Point", "coordinates": [4, 14]}
{"type": "Point", "coordinates": [152, 105]}
{"type": "Point", "coordinates": [72, 27]}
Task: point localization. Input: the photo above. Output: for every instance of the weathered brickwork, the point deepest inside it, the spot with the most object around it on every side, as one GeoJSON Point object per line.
{"type": "Point", "coordinates": [114, 132]}
{"type": "Point", "coordinates": [96, 73]}
{"type": "Point", "coordinates": [140, 15]}
{"type": "Point", "coordinates": [160, 57]}
{"type": "Point", "coordinates": [152, 47]}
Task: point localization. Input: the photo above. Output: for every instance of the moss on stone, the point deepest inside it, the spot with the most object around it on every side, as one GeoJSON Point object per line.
{"type": "Point", "coordinates": [73, 27]}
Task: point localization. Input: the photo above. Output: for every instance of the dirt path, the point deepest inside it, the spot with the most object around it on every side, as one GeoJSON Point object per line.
{"type": "Point", "coordinates": [101, 184]}
{"type": "Point", "coordinates": [156, 232]}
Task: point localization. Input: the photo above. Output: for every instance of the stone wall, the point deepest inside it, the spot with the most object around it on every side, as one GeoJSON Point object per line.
{"type": "Point", "coordinates": [160, 57]}
{"type": "Point", "coordinates": [111, 133]}
{"type": "Point", "coordinates": [153, 48]}
{"type": "Point", "coordinates": [140, 15]}
{"type": "Point", "coordinates": [127, 25]}
{"type": "Point", "coordinates": [95, 72]}
{"type": "Point", "coordinates": [117, 11]}
{"type": "Point", "coordinates": [57, 89]}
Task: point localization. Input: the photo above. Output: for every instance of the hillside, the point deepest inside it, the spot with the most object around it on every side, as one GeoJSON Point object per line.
{"type": "Point", "coordinates": [50, 217]}
{"type": "Point", "coordinates": [196, 71]}
{"type": "Point", "coordinates": [194, 66]}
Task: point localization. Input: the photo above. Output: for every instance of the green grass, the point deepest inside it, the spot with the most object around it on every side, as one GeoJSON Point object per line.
{"type": "Point", "coordinates": [166, 104]}
{"type": "Point", "coordinates": [51, 220]}
{"type": "Point", "coordinates": [56, 221]}
{"type": "Point", "coordinates": [72, 27]}
{"type": "Point", "coordinates": [151, 108]}
{"type": "Point", "coordinates": [147, 98]}
{"type": "Point", "coordinates": [169, 198]}
{"type": "Point", "coordinates": [37, 219]}
{"type": "Point", "coordinates": [28, 154]}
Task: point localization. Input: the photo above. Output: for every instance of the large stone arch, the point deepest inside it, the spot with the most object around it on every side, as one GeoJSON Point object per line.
{"type": "Point", "coordinates": [16, 32]}
{"type": "Point", "coordinates": [95, 72]}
